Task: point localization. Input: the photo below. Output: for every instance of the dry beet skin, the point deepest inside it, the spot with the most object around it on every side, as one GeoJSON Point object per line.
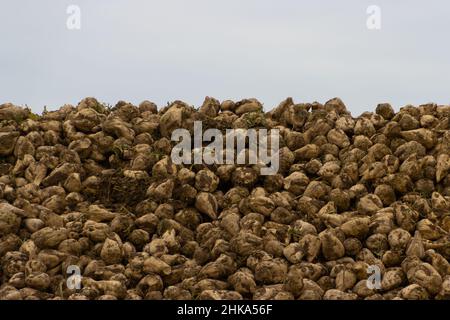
{"type": "Point", "coordinates": [94, 188]}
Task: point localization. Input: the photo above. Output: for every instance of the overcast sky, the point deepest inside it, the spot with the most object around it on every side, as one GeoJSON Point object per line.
{"type": "Point", "coordinates": [177, 49]}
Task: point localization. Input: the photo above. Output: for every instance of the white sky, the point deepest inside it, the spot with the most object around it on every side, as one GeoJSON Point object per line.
{"type": "Point", "coordinates": [177, 49]}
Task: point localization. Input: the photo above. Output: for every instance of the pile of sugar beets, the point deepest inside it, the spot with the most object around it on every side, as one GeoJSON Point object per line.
{"type": "Point", "coordinates": [359, 209]}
